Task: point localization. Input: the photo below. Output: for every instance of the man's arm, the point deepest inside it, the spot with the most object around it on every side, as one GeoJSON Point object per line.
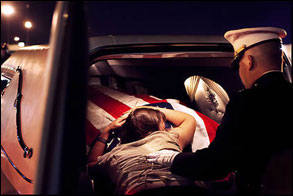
{"type": "Point", "coordinates": [219, 158]}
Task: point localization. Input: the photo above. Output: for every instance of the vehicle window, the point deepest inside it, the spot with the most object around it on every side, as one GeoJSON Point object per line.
{"type": "Point", "coordinates": [4, 83]}
{"type": "Point", "coordinates": [6, 76]}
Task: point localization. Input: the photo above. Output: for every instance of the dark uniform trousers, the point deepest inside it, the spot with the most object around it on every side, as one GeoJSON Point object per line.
{"type": "Point", "coordinates": [256, 124]}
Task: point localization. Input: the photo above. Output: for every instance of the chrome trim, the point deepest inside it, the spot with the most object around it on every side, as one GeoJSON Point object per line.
{"type": "Point", "coordinates": [13, 165]}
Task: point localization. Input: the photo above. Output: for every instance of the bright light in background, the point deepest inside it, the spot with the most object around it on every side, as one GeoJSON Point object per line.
{"type": "Point", "coordinates": [21, 44]}
{"type": "Point", "coordinates": [7, 10]}
{"type": "Point", "coordinates": [16, 38]}
{"type": "Point", "coordinates": [28, 24]}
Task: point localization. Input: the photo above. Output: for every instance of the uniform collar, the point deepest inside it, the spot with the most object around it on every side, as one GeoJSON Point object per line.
{"type": "Point", "coordinates": [266, 78]}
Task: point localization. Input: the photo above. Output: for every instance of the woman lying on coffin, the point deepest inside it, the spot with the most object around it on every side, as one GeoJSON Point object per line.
{"type": "Point", "coordinates": [142, 132]}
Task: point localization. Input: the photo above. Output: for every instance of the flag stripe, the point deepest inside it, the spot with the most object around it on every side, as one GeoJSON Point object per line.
{"type": "Point", "coordinates": [91, 132]}
{"type": "Point", "coordinates": [211, 125]}
{"type": "Point", "coordinates": [149, 99]}
{"type": "Point", "coordinates": [127, 99]}
{"type": "Point", "coordinates": [110, 105]}
{"type": "Point", "coordinates": [98, 116]}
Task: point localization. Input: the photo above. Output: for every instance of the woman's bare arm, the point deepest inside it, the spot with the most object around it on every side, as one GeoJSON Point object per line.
{"type": "Point", "coordinates": [185, 124]}
{"type": "Point", "coordinates": [99, 147]}
{"type": "Point", "coordinates": [185, 127]}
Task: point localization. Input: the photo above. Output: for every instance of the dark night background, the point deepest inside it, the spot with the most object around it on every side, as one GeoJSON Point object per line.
{"type": "Point", "coordinates": [152, 17]}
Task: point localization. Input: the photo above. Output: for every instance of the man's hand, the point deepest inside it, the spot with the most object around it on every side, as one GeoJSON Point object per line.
{"type": "Point", "coordinates": [163, 157]}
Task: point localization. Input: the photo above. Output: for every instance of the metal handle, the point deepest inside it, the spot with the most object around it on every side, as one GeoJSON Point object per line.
{"type": "Point", "coordinates": [28, 152]}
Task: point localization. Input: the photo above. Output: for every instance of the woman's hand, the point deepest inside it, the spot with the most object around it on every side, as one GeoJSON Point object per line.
{"type": "Point", "coordinates": [98, 148]}
{"type": "Point", "coordinates": [118, 122]}
{"type": "Point", "coordinates": [113, 125]}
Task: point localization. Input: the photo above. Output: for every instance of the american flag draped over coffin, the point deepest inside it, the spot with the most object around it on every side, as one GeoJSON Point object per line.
{"type": "Point", "coordinates": [106, 104]}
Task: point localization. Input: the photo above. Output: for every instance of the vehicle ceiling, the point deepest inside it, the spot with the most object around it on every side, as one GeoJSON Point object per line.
{"type": "Point", "coordinates": [162, 68]}
{"type": "Point", "coordinates": [100, 41]}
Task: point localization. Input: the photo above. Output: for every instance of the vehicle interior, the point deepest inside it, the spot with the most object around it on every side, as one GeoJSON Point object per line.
{"type": "Point", "coordinates": [198, 75]}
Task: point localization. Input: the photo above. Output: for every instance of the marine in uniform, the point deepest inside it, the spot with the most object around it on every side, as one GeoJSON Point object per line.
{"type": "Point", "coordinates": [257, 121]}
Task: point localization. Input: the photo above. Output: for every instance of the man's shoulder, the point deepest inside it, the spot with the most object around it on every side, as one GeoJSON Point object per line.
{"type": "Point", "coordinates": [257, 96]}
{"type": "Point", "coordinates": [264, 90]}
{"type": "Point", "coordinates": [244, 95]}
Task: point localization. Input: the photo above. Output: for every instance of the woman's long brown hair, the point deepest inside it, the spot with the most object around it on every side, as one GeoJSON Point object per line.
{"type": "Point", "coordinates": [140, 123]}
